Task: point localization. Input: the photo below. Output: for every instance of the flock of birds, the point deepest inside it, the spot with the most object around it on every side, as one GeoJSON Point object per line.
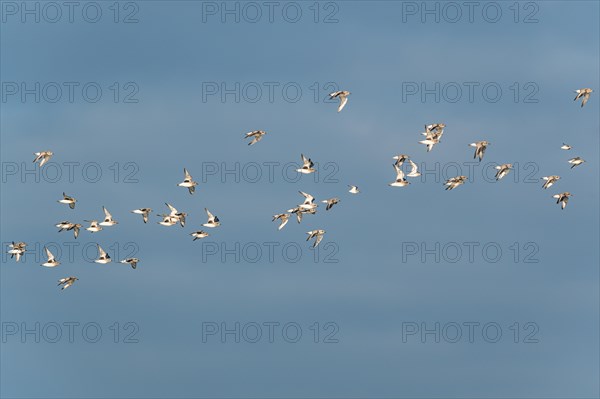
{"type": "Point", "coordinates": [433, 134]}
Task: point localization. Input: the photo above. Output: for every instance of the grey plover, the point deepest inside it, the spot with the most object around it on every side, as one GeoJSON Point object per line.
{"type": "Point", "coordinates": [66, 282]}
{"type": "Point", "coordinates": [188, 182]}
{"type": "Point", "coordinates": [342, 96]}
{"type": "Point", "coordinates": [315, 233]}
{"type": "Point", "coordinates": [42, 157]}
{"type": "Point", "coordinates": [68, 200]}
{"type": "Point", "coordinates": [562, 198]}
{"type": "Point", "coordinates": [256, 135]}
{"type": "Point", "coordinates": [584, 94]}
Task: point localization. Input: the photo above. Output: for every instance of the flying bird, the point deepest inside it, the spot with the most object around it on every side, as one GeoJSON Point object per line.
{"type": "Point", "coordinates": [315, 233]}
{"type": "Point", "coordinates": [257, 136]}
{"type": "Point", "coordinates": [42, 157]}
{"type": "Point", "coordinates": [68, 200]}
{"type": "Point", "coordinates": [330, 203]}
{"type": "Point", "coordinates": [480, 147]}
{"type": "Point", "coordinates": [584, 94]}
{"type": "Point", "coordinates": [51, 262]}
{"type": "Point", "coordinates": [283, 218]}
{"type": "Point", "coordinates": [435, 127]}
{"type": "Point", "coordinates": [132, 261]}
{"type": "Point", "coordinates": [353, 189]}
{"type": "Point", "coordinates": [180, 216]}
{"type": "Point", "coordinates": [342, 96]}
{"type": "Point", "coordinates": [298, 211]}
{"type": "Point", "coordinates": [454, 182]}
{"type": "Point", "coordinates": [144, 212]}
{"type": "Point", "coordinates": [414, 169]}
{"type": "Point", "coordinates": [66, 225]}
{"type": "Point", "coordinates": [108, 219]}
{"type": "Point", "coordinates": [94, 227]}
{"type": "Point", "coordinates": [103, 257]}
{"type": "Point", "coordinates": [188, 182]}
{"type": "Point", "coordinates": [309, 201]}
{"type": "Point", "coordinates": [433, 135]}
{"type": "Point", "coordinates": [400, 180]}
{"type": "Point", "coordinates": [17, 249]}
{"type": "Point", "coordinates": [307, 166]}
{"type": "Point", "coordinates": [503, 170]}
{"type": "Point", "coordinates": [565, 147]}
{"type": "Point", "coordinates": [168, 220]}
{"type": "Point", "coordinates": [199, 234]}
{"type": "Point", "coordinates": [213, 221]}
{"type": "Point", "coordinates": [576, 161]}
{"type": "Point", "coordinates": [400, 159]}
{"type": "Point", "coordinates": [549, 181]}
{"type": "Point", "coordinates": [562, 198]}
{"type": "Point", "coordinates": [66, 282]}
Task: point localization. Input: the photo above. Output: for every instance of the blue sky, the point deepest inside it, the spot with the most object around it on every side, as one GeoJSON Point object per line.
{"type": "Point", "coordinates": [375, 289]}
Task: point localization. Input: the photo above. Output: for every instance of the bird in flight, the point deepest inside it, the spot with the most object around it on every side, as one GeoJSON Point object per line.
{"type": "Point", "coordinates": [199, 234]}
{"type": "Point", "coordinates": [549, 181]}
{"type": "Point", "coordinates": [414, 169]}
{"type": "Point", "coordinates": [562, 198]}
{"type": "Point", "coordinates": [298, 211]}
{"type": "Point", "coordinates": [584, 94]}
{"type": "Point", "coordinates": [400, 159]}
{"type": "Point", "coordinates": [315, 233]}
{"type": "Point", "coordinates": [66, 282]}
{"type": "Point", "coordinates": [342, 96]}
{"type": "Point", "coordinates": [175, 215]}
{"type": "Point", "coordinates": [433, 134]}
{"type": "Point", "coordinates": [454, 182]}
{"type": "Point", "coordinates": [168, 220]}
{"type": "Point", "coordinates": [51, 262]}
{"type": "Point", "coordinates": [94, 227]}
{"type": "Point", "coordinates": [480, 147]}
{"type": "Point", "coordinates": [108, 219]}
{"type": "Point", "coordinates": [188, 182]}
{"type": "Point", "coordinates": [17, 249]}
{"type": "Point", "coordinates": [565, 147]}
{"type": "Point", "coordinates": [309, 201]}
{"type": "Point", "coordinates": [283, 218]}
{"type": "Point", "coordinates": [353, 189]}
{"type": "Point", "coordinates": [400, 179]}
{"type": "Point", "coordinates": [576, 161]}
{"type": "Point", "coordinates": [144, 212]}
{"type": "Point", "coordinates": [307, 166]}
{"type": "Point", "coordinates": [68, 200]}
{"type": "Point", "coordinates": [132, 261]}
{"type": "Point", "coordinates": [503, 170]}
{"type": "Point", "coordinates": [66, 225]}
{"type": "Point", "coordinates": [213, 221]}
{"type": "Point", "coordinates": [257, 136]}
{"type": "Point", "coordinates": [103, 257]}
{"type": "Point", "coordinates": [330, 203]}
{"type": "Point", "coordinates": [42, 157]}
